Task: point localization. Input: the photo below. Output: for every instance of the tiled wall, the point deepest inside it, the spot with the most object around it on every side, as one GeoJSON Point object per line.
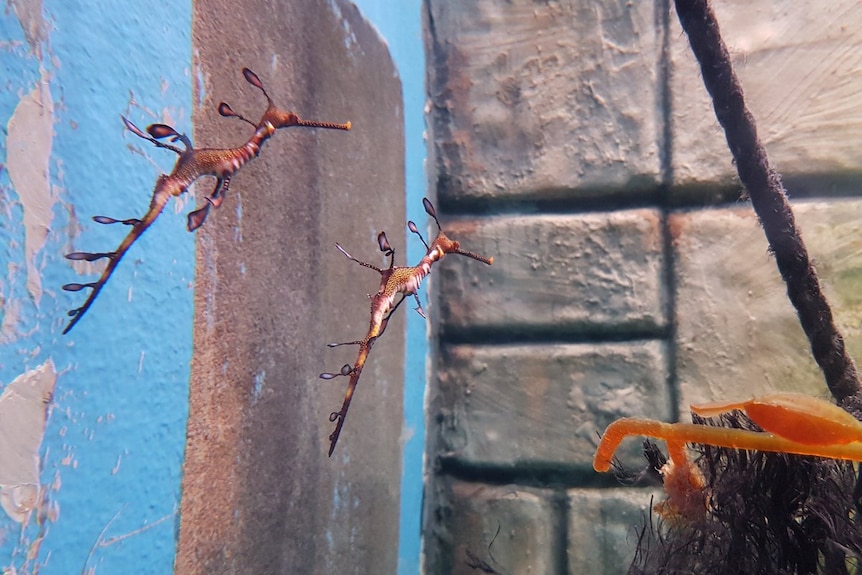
{"type": "Point", "coordinates": [575, 142]}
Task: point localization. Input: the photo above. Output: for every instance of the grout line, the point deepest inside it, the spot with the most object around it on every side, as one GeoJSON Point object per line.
{"type": "Point", "coordinates": [663, 11]}
{"type": "Point", "coordinates": [546, 475]}
{"type": "Point", "coordinates": [561, 511]}
{"type": "Point", "coordinates": [664, 196]}
{"type": "Point", "coordinates": [551, 335]}
{"type": "Point", "coordinates": [667, 174]}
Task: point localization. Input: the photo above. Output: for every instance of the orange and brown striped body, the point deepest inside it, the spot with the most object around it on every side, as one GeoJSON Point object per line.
{"type": "Point", "coordinates": [191, 165]}
{"type": "Point", "coordinates": [395, 281]}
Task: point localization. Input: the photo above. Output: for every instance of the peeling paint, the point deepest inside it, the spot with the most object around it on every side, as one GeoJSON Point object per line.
{"type": "Point", "coordinates": [29, 14]}
{"type": "Point", "coordinates": [70, 71]}
{"type": "Point", "coordinates": [28, 151]}
{"type": "Point", "coordinates": [350, 40]}
{"type": "Point", "coordinates": [24, 408]}
{"type": "Point", "coordinates": [11, 316]}
{"type": "Point", "coordinates": [259, 382]}
{"type": "Point", "coordinates": [237, 233]}
{"type": "Point", "coordinates": [200, 81]}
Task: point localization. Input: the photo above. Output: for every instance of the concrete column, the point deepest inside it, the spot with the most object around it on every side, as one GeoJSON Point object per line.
{"type": "Point", "coordinates": [259, 494]}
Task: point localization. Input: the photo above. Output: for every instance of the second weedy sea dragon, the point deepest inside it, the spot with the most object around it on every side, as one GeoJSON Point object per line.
{"type": "Point", "coordinates": [193, 163]}
{"type": "Point", "coordinates": [396, 283]}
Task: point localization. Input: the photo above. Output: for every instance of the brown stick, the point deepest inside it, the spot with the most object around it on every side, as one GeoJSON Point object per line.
{"type": "Point", "coordinates": [768, 198]}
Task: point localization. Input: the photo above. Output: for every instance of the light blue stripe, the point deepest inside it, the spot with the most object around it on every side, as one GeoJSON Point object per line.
{"type": "Point", "coordinates": [400, 24]}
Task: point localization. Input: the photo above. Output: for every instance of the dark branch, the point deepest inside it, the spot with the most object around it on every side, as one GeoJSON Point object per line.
{"type": "Point", "coordinates": [768, 198]}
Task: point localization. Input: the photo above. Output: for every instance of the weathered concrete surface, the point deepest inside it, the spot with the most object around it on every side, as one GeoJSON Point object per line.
{"type": "Point", "coordinates": [594, 273]}
{"type": "Point", "coordinates": [603, 528]}
{"type": "Point", "coordinates": [528, 521]}
{"type": "Point", "coordinates": [738, 335]}
{"type": "Point", "coordinates": [259, 494]}
{"type": "Point", "coordinates": [800, 70]}
{"type": "Point", "coordinates": [543, 100]}
{"type": "Point", "coordinates": [541, 405]}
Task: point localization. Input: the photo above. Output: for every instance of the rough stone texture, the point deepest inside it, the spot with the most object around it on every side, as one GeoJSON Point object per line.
{"type": "Point", "coordinates": [543, 100]}
{"type": "Point", "coordinates": [541, 103]}
{"type": "Point", "coordinates": [800, 69]}
{"type": "Point", "coordinates": [737, 334]}
{"type": "Point", "coordinates": [532, 120]}
{"type": "Point", "coordinates": [579, 274]}
{"type": "Point", "coordinates": [541, 405]}
{"type": "Point", "coordinates": [603, 528]}
{"type": "Point", "coordinates": [259, 494]}
{"type": "Point", "coordinates": [528, 521]}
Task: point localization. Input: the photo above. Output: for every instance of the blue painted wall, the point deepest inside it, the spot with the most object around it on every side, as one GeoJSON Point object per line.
{"type": "Point", "coordinates": [113, 445]}
{"type": "Point", "coordinates": [400, 24]}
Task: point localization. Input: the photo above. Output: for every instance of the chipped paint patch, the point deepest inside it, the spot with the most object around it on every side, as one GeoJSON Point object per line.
{"type": "Point", "coordinates": [9, 323]}
{"type": "Point", "coordinates": [24, 407]}
{"type": "Point", "coordinates": [29, 14]}
{"type": "Point", "coordinates": [237, 232]}
{"type": "Point", "coordinates": [200, 81]}
{"type": "Point", "coordinates": [28, 151]}
{"type": "Point", "coordinates": [350, 40]}
{"type": "Point", "coordinates": [61, 110]}
{"type": "Point", "coordinates": [259, 382]}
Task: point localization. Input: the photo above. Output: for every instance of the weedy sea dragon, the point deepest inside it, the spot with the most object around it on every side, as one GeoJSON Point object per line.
{"type": "Point", "coordinates": [192, 164]}
{"type": "Point", "coordinates": [396, 283]}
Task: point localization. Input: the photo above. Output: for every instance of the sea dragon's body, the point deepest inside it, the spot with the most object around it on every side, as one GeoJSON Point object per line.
{"type": "Point", "coordinates": [396, 283]}
{"type": "Point", "coordinates": [191, 165]}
